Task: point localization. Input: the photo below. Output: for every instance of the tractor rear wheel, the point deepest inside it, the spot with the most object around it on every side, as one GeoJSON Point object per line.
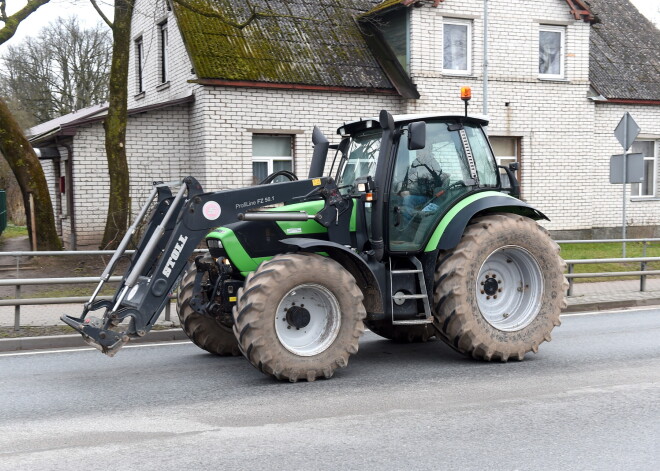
{"type": "Point", "coordinates": [299, 316]}
{"type": "Point", "coordinates": [207, 332]}
{"type": "Point", "coordinates": [499, 293]}
{"type": "Point", "coordinates": [401, 333]}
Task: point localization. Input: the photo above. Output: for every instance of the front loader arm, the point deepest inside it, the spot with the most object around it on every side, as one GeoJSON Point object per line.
{"type": "Point", "coordinates": [155, 267]}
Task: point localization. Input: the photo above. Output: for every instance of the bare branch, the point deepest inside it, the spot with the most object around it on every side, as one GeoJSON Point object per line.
{"type": "Point", "coordinates": [101, 14]}
{"type": "Point", "coordinates": [254, 15]}
{"type": "Point", "coordinates": [12, 22]}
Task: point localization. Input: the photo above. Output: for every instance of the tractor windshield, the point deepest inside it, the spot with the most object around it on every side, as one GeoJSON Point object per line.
{"type": "Point", "coordinates": [360, 158]}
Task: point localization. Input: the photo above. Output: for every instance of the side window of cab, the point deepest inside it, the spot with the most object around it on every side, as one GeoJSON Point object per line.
{"type": "Point", "coordinates": [424, 184]}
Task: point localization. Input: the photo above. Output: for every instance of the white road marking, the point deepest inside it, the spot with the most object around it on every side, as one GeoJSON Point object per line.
{"type": "Point", "coordinates": [87, 349]}
{"type": "Point", "coordinates": [613, 311]}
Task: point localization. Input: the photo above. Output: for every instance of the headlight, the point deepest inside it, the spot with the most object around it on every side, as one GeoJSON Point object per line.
{"type": "Point", "coordinates": [214, 243]}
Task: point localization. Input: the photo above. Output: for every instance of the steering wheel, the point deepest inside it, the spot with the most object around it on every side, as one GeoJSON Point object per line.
{"type": "Point", "coordinates": [282, 173]}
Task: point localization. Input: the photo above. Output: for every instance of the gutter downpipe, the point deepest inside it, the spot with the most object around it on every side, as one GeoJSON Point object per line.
{"type": "Point", "coordinates": [68, 172]}
{"type": "Point", "coordinates": [485, 65]}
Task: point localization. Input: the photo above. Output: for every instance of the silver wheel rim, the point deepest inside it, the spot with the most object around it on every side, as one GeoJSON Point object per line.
{"type": "Point", "coordinates": [510, 288]}
{"type": "Point", "coordinates": [324, 320]}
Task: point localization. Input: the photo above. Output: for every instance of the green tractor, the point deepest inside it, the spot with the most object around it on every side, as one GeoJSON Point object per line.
{"type": "Point", "coordinates": [414, 235]}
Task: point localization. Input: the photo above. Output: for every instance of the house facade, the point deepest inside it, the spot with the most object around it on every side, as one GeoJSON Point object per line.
{"type": "Point", "coordinates": [229, 99]}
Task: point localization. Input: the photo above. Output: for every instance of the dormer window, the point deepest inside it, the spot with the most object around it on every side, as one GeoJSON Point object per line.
{"type": "Point", "coordinates": [164, 52]}
{"type": "Point", "coordinates": [395, 29]}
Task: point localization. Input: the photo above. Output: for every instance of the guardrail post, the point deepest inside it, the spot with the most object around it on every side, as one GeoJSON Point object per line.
{"type": "Point", "coordinates": [17, 309]}
{"type": "Point", "coordinates": [642, 278]}
{"type": "Point", "coordinates": [570, 280]}
{"type": "Point", "coordinates": [167, 309]}
{"type": "Point", "coordinates": [17, 292]}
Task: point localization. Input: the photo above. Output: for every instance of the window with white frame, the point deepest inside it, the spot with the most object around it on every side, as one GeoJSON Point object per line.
{"type": "Point", "coordinates": [271, 153]}
{"type": "Point", "coordinates": [507, 151]}
{"type": "Point", "coordinates": [139, 57]}
{"type": "Point", "coordinates": [650, 151]}
{"type": "Point", "coordinates": [456, 46]}
{"type": "Point", "coordinates": [551, 51]}
{"type": "Point", "coordinates": [164, 52]}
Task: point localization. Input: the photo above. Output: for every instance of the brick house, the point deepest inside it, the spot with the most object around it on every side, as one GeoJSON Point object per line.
{"type": "Point", "coordinates": [229, 103]}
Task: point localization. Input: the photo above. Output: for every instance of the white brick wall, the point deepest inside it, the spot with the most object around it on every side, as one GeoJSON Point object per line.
{"type": "Point", "coordinates": [147, 14]}
{"type": "Point", "coordinates": [157, 149]}
{"type": "Point", "coordinates": [222, 141]}
{"type": "Point", "coordinates": [566, 138]}
{"type": "Point", "coordinates": [554, 119]}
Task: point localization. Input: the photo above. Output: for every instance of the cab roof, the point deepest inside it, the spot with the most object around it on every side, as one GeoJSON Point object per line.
{"type": "Point", "coordinates": [373, 122]}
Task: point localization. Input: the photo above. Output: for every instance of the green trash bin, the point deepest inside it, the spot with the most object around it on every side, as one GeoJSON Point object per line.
{"type": "Point", "coordinates": [3, 210]}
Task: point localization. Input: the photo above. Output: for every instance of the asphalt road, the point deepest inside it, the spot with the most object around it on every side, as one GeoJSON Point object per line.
{"type": "Point", "coordinates": [590, 399]}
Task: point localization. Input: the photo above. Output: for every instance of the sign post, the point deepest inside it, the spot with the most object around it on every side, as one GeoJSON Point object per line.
{"type": "Point", "coordinates": [626, 132]}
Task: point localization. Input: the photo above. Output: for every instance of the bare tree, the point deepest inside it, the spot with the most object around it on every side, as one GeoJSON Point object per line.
{"type": "Point", "coordinates": [64, 69]}
{"type": "Point", "coordinates": [17, 150]}
{"type": "Point", "coordinates": [115, 124]}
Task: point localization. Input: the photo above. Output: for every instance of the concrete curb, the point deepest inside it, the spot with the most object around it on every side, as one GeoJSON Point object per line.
{"type": "Point", "coordinates": [610, 305]}
{"type": "Point", "coordinates": [75, 340]}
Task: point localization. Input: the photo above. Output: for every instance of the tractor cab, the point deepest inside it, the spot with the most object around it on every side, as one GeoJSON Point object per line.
{"type": "Point", "coordinates": [427, 163]}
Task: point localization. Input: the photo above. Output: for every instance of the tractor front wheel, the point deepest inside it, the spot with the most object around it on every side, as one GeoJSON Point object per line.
{"type": "Point", "coordinates": [207, 332]}
{"type": "Point", "coordinates": [299, 316]}
{"type": "Point", "coordinates": [499, 293]}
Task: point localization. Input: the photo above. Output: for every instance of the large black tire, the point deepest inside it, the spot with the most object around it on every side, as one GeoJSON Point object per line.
{"type": "Point", "coordinates": [204, 331]}
{"type": "Point", "coordinates": [506, 255]}
{"type": "Point", "coordinates": [280, 336]}
{"type": "Point", "coordinates": [401, 333]}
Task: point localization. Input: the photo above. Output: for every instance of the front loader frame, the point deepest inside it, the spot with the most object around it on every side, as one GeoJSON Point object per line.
{"type": "Point", "coordinates": [175, 229]}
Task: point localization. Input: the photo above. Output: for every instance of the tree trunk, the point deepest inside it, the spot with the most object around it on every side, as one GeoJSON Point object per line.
{"type": "Point", "coordinates": [30, 176]}
{"type": "Point", "coordinates": [115, 127]}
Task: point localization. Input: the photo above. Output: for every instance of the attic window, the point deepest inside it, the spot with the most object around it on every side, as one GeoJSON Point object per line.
{"type": "Point", "coordinates": [456, 46]}
{"type": "Point", "coordinates": [551, 52]}
{"type": "Point", "coordinates": [164, 52]}
{"type": "Point", "coordinates": [139, 58]}
{"type": "Point", "coordinates": [396, 31]}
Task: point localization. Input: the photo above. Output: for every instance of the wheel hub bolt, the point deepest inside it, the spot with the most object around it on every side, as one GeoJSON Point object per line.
{"type": "Point", "coordinates": [505, 315]}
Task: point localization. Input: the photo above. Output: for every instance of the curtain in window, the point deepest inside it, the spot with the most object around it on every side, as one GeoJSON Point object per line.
{"type": "Point", "coordinates": [549, 52]}
{"type": "Point", "coordinates": [455, 43]}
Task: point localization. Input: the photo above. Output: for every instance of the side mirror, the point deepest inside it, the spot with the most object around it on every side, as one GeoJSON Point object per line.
{"type": "Point", "coordinates": [417, 135]}
{"type": "Point", "coordinates": [320, 154]}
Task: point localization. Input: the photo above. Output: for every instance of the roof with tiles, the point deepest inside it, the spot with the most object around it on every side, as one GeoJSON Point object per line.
{"type": "Point", "coordinates": [624, 52]}
{"type": "Point", "coordinates": [288, 41]}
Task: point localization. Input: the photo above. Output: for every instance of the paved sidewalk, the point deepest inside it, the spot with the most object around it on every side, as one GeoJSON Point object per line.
{"type": "Point", "coordinates": [48, 315]}
{"type": "Point", "coordinates": [613, 294]}
{"type": "Point", "coordinates": [586, 297]}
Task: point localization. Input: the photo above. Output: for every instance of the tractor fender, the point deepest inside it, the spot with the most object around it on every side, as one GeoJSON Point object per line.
{"type": "Point", "coordinates": [363, 273]}
{"type": "Point", "coordinates": [449, 231]}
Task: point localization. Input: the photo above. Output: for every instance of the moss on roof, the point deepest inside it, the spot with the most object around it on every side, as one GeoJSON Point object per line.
{"type": "Point", "coordinates": [295, 41]}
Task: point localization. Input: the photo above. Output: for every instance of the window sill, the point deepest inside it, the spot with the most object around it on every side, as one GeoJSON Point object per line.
{"type": "Point", "coordinates": [163, 86]}
{"type": "Point", "coordinates": [140, 95]}
{"type": "Point", "coordinates": [635, 199]}
{"type": "Point", "coordinates": [552, 79]}
{"type": "Point", "coordinates": [449, 73]}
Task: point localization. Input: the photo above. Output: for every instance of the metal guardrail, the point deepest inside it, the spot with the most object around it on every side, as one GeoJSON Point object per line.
{"type": "Point", "coordinates": [642, 273]}
{"type": "Point", "coordinates": [18, 301]}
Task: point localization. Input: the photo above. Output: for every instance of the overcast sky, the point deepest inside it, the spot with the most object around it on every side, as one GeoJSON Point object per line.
{"type": "Point", "coordinates": [84, 10]}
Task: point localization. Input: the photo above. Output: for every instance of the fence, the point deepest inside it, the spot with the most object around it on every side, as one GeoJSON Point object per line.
{"type": "Point", "coordinates": [17, 302]}
{"type": "Point", "coordinates": [642, 273]}
{"type": "Point", "coordinates": [3, 210]}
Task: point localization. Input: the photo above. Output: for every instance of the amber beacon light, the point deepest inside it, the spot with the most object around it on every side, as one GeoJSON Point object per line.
{"type": "Point", "coordinates": [466, 94]}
